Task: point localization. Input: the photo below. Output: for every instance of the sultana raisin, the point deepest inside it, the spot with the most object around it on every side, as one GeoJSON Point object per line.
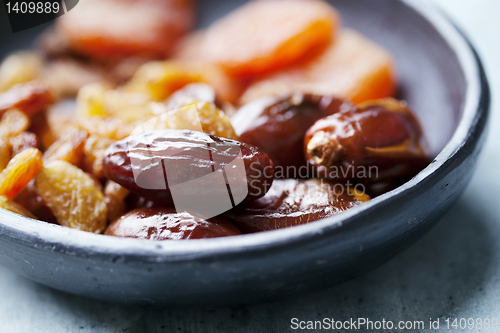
{"type": "Point", "coordinates": [19, 67]}
{"type": "Point", "coordinates": [13, 123]}
{"type": "Point", "coordinates": [12, 206]}
{"type": "Point", "coordinates": [21, 169]}
{"type": "Point", "coordinates": [115, 195]}
{"type": "Point", "coordinates": [201, 117]}
{"type": "Point", "coordinates": [22, 141]}
{"type": "Point", "coordinates": [69, 148]}
{"type": "Point", "coordinates": [72, 196]}
{"type": "Point", "coordinates": [93, 154]}
{"type": "Point", "coordinates": [28, 97]}
{"type": "Point", "coordinates": [5, 153]}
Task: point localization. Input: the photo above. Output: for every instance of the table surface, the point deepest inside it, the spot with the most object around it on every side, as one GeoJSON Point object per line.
{"type": "Point", "coordinates": [452, 272]}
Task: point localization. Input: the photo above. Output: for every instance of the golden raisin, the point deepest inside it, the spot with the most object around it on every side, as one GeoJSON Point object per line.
{"type": "Point", "coordinates": [160, 79]}
{"type": "Point", "coordinates": [13, 123]}
{"type": "Point", "coordinates": [72, 196]}
{"type": "Point", "coordinates": [5, 153]}
{"type": "Point", "coordinates": [201, 117]}
{"type": "Point", "coordinates": [28, 97]}
{"type": "Point", "coordinates": [22, 141]}
{"type": "Point", "coordinates": [21, 169]}
{"type": "Point", "coordinates": [69, 148]}
{"type": "Point", "coordinates": [12, 206]}
{"type": "Point", "coordinates": [93, 154]}
{"type": "Point", "coordinates": [19, 67]}
{"type": "Point", "coordinates": [114, 195]}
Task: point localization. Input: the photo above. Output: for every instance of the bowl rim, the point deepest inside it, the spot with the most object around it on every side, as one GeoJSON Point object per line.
{"type": "Point", "coordinates": [84, 244]}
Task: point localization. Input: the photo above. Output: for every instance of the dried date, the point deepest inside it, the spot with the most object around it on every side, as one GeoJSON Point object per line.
{"type": "Point", "coordinates": [376, 141]}
{"type": "Point", "coordinates": [292, 202]}
{"type": "Point", "coordinates": [197, 172]}
{"type": "Point", "coordinates": [167, 224]}
{"type": "Point", "coordinates": [277, 125]}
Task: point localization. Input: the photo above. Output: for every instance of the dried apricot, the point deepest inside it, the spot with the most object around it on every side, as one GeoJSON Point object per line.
{"type": "Point", "coordinates": [104, 28]}
{"type": "Point", "coordinates": [266, 35]}
{"type": "Point", "coordinates": [69, 148]}
{"type": "Point", "coordinates": [352, 67]}
{"type": "Point", "coordinates": [72, 196]}
{"type": "Point", "coordinates": [21, 169]}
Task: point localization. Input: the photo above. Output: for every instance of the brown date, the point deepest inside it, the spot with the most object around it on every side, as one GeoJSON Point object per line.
{"type": "Point", "coordinates": [376, 141]}
{"type": "Point", "coordinates": [167, 224]}
{"type": "Point", "coordinates": [196, 171]}
{"type": "Point", "coordinates": [277, 125]}
{"type": "Point", "coordinates": [292, 202]}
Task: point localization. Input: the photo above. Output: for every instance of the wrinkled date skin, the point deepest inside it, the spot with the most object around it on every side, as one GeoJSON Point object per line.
{"type": "Point", "coordinates": [375, 141]}
{"type": "Point", "coordinates": [167, 224]}
{"type": "Point", "coordinates": [292, 202]}
{"type": "Point", "coordinates": [277, 125]}
{"type": "Point", "coordinates": [198, 168]}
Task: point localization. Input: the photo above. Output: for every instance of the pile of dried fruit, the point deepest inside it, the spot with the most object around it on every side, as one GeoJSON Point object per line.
{"type": "Point", "coordinates": [133, 126]}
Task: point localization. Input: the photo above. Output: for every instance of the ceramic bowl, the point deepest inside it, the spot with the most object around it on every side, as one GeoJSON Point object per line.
{"type": "Point", "coordinates": [442, 79]}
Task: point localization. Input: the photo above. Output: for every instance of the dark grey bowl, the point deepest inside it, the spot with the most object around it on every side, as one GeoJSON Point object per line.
{"type": "Point", "coordinates": [442, 80]}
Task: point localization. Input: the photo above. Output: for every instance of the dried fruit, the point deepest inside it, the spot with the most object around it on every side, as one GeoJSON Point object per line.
{"type": "Point", "coordinates": [263, 36]}
{"type": "Point", "coordinates": [69, 148]}
{"type": "Point", "coordinates": [160, 79]}
{"type": "Point", "coordinates": [376, 141]}
{"type": "Point", "coordinates": [19, 67]}
{"type": "Point", "coordinates": [66, 76]}
{"type": "Point", "coordinates": [29, 97]}
{"type": "Point", "coordinates": [106, 28]}
{"type": "Point", "coordinates": [22, 141]}
{"type": "Point", "coordinates": [206, 174]}
{"type": "Point", "coordinates": [352, 67]}
{"type": "Point", "coordinates": [167, 224]}
{"type": "Point", "coordinates": [72, 196]}
{"type": "Point", "coordinates": [93, 155]}
{"type": "Point", "coordinates": [277, 125]}
{"type": "Point", "coordinates": [21, 169]}
{"type": "Point", "coordinates": [13, 123]}
{"type": "Point", "coordinates": [115, 195]}
{"type": "Point", "coordinates": [5, 153]}
{"type": "Point", "coordinates": [191, 93]}
{"type": "Point", "coordinates": [292, 202]}
{"type": "Point", "coordinates": [202, 117]}
{"type": "Point", "coordinates": [12, 206]}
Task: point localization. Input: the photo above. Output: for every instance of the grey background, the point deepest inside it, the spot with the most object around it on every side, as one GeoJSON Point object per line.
{"type": "Point", "coordinates": [452, 272]}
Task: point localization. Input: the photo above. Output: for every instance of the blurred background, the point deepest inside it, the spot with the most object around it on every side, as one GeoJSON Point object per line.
{"type": "Point", "coordinates": [452, 272]}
